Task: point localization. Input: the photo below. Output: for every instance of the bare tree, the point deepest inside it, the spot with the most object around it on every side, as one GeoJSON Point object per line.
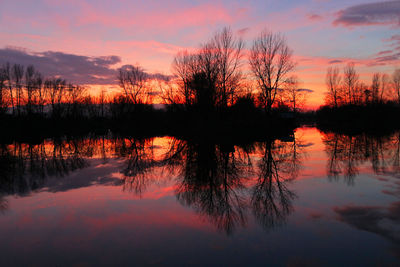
{"type": "Point", "coordinates": [375, 87]}
{"type": "Point", "coordinates": [30, 87]}
{"type": "Point", "coordinates": [229, 59]}
{"type": "Point", "coordinates": [183, 67]}
{"type": "Point", "coordinates": [334, 95]}
{"type": "Point", "coordinates": [17, 75]}
{"type": "Point", "coordinates": [56, 91]}
{"type": "Point", "coordinates": [132, 79]}
{"type": "Point", "coordinates": [209, 77]}
{"type": "Point", "coordinates": [350, 81]}
{"type": "Point", "coordinates": [7, 72]}
{"type": "Point", "coordinates": [40, 96]}
{"type": "Point", "coordinates": [3, 88]}
{"type": "Point", "coordinates": [293, 95]}
{"type": "Point", "coordinates": [102, 102]}
{"type": "Point", "coordinates": [366, 93]}
{"type": "Point", "coordinates": [384, 84]}
{"type": "Point", "coordinates": [396, 84]}
{"type": "Point", "coordinates": [270, 61]}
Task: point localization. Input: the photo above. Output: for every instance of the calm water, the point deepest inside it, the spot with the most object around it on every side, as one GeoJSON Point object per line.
{"type": "Point", "coordinates": [309, 200]}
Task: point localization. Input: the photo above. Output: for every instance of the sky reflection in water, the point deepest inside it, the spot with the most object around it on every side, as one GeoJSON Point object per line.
{"type": "Point", "coordinates": [315, 199]}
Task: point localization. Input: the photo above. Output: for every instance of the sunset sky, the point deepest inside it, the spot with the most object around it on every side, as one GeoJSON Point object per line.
{"type": "Point", "coordinates": [85, 41]}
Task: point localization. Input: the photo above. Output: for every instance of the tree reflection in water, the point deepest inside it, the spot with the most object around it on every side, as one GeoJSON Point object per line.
{"type": "Point", "coordinates": [24, 167]}
{"type": "Point", "coordinates": [347, 153]}
{"type": "Point", "coordinates": [223, 183]}
{"type": "Point", "coordinates": [218, 180]}
{"type": "Point", "coordinates": [271, 199]}
{"type": "Point", "coordinates": [211, 181]}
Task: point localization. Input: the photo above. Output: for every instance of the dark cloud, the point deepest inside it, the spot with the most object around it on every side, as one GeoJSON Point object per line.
{"type": "Point", "coordinates": [151, 76]}
{"type": "Point", "coordinates": [385, 52]}
{"type": "Point", "coordinates": [305, 90]}
{"type": "Point", "coordinates": [306, 145]}
{"type": "Point", "coordinates": [335, 61]}
{"type": "Point", "coordinates": [388, 56]}
{"type": "Point", "coordinates": [388, 59]}
{"type": "Point", "coordinates": [74, 68]}
{"type": "Point", "coordinates": [379, 13]}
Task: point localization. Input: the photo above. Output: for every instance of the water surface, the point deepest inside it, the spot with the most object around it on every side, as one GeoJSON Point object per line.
{"type": "Point", "coordinates": [309, 199]}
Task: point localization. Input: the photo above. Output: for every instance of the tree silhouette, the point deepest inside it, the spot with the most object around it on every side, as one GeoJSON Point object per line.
{"type": "Point", "coordinates": [210, 77]}
{"type": "Point", "coordinates": [270, 61]}
{"type": "Point", "coordinates": [334, 94]}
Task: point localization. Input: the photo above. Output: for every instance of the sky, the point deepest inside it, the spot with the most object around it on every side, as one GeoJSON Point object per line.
{"type": "Point", "coordinates": [86, 41]}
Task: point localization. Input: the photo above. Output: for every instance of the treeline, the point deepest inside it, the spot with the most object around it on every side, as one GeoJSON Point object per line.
{"type": "Point", "coordinates": [212, 77]}
{"type": "Point", "coordinates": [352, 106]}
{"type": "Point", "coordinates": [25, 92]}
{"type": "Point", "coordinates": [347, 89]}
{"type": "Point", "coordinates": [208, 79]}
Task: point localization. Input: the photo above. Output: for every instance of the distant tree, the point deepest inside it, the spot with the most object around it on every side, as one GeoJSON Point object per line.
{"type": "Point", "coordinates": [102, 102]}
{"type": "Point", "coordinates": [56, 90]}
{"type": "Point", "coordinates": [350, 84]}
{"type": "Point", "coordinates": [366, 93]}
{"type": "Point", "coordinates": [7, 71]}
{"type": "Point", "coordinates": [375, 87]}
{"type": "Point", "coordinates": [17, 73]}
{"type": "Point", "coordinates": [396, 84]}
{"type": "Point", "coordinates": [132, 79]}
{"type": "Point", "coordinates": [3, 88]}
{"type": "Point", "coordinates": [75, 94]}
{"type": "Point", "coordinates": [169, 95]}
{"type": "Point", "coordinates": [334, 94]}
{"type": "Point", "coordinates": [39, 93]}
{"type": "Point", "coordinates": [294, 96]}
{"type": "Point", "coordinates": [384, 86]}
{"type": "Point", "coordinates": [30, 87]}
{"type": "Point", "coordinates": [270, 61]}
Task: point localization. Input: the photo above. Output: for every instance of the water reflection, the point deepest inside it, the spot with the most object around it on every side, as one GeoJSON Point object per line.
{"type": "Point", "coordinates": [271, 198]}
{"type": "Point", "coordinates": [151, 193]}
{"type": "Point", "coordinates": [223, 183]}
{"type": "Point", "coordinates": [211, 180]}
{"type": "Point", "coordinates": [24, 167]}
{"type": "Point", "coordinates": [347, 153]}
{"type": "Point", "coordinates": [346, 156]}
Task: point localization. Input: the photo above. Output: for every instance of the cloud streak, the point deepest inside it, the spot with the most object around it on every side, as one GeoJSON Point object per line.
{"type": "Point", "coordinates": [379, 13]}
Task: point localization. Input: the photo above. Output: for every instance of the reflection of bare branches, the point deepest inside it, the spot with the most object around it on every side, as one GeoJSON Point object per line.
{"type": "Point", "coordinates": [211, 183]}
{"type": "Point", "coordinates": [271, 199]}
{"type": "Point", "coordinates": [139, 163]}
{"type": "Point", "coordinates": [347, 153]}
{"type": "Point", "coordinates": [24, 167]}
{"type": "Point", "coordinates": [211, 178]}
{"type": "Point", "coordinates": [395, 161]}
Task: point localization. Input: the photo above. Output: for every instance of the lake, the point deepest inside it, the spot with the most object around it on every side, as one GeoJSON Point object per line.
{"type": "Point", "coordinates": [311, 199]}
